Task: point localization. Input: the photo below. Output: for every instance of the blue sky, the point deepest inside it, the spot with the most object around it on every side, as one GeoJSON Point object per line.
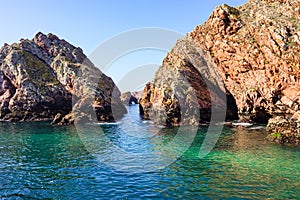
{"type": "Point", "coordinates": [89, 23]}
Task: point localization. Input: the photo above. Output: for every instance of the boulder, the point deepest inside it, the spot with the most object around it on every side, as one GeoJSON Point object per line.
{"type": "Point", "coordinates": [284, 130]}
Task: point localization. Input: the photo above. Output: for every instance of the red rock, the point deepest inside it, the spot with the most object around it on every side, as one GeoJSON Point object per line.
{"type": "Point", "coordinates": [255, 49]}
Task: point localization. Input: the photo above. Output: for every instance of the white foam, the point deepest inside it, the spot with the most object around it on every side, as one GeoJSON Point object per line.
{"type": "Point", "coordinates": [243, 124]}
{"type": "Point", "coordinates": [108, 123]}
{"type": "Point", "coordinates": [257, 128]}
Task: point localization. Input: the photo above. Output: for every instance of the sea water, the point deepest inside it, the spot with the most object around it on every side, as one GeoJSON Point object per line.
{"type": "Point", "coordinates": [40, 161]}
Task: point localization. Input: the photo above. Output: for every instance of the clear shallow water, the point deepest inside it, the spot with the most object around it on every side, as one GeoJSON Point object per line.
{"type": "Point", "coordinates": [40, 161]}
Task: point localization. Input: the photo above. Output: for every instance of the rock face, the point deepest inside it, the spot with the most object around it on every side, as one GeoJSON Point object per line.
{"type": "Point", "coordinates": [185, 88]}
{"type": "Point", "coordinates": [255, 48]}
{"type": "Point", "coordinates": [40, 78]}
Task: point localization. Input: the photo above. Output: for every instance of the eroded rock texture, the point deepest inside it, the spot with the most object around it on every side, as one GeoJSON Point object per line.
{"type": "Point", "coordinates": [39, 78]}
{"type": "Point", "coordinates": [256, 51]}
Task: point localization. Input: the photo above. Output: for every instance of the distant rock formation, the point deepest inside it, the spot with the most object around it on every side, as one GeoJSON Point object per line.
{"type": "Point", "coordinates": [131, 98]}
{"type": "Point", "coordinates": [255, 49]}
{"type": "Point", "coordinates": [39, 78]}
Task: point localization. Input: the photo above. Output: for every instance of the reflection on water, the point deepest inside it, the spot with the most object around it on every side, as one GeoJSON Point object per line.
{"type": "Point", "coordinates": [41, 161]}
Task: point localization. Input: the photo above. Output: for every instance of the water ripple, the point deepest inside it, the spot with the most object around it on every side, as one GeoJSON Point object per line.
{"type": "Point", "coordinates": [39, 161]}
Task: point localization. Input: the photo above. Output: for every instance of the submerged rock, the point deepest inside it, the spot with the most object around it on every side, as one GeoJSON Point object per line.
{"type": "Point", "coordinates": [42, 77]}
{"type": "Point", "coordinates": [252, 49]}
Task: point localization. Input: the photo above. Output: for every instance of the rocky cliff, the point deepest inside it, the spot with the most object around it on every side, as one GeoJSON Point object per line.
{"type": "Point", "coordinates": [254, 48]}
{"type": "Point", "coordinates": [186, 89]}
{"type": "Point", "coordinates": [43, 77]}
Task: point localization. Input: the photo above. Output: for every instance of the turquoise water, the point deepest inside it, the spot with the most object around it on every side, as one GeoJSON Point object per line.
{"type": "Point", "coordinates": [39, 161]}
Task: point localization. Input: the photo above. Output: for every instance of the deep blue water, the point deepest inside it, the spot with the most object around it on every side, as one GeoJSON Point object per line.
{"type": "Point", "coordinates": [40, 161]}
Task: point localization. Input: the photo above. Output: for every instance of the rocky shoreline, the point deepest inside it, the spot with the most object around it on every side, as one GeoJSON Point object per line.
{"type": "Point", "coordinates": [242, 64]}
{"type": "Point", "coordinates": [250, 54]}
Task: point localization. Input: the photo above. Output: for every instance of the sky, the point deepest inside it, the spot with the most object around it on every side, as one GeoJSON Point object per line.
{"type": "Point", "coordinates": [89, 23]}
